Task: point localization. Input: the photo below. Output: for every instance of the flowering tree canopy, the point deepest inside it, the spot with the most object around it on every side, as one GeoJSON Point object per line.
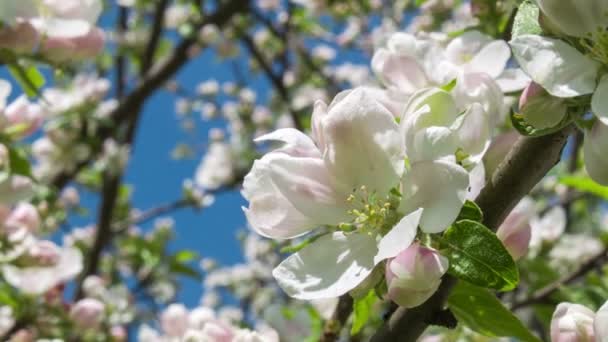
{"type": "Point", "coordinates": [429, 170]}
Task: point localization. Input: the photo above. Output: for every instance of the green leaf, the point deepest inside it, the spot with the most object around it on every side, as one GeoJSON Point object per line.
{"type": "Point", "coordinates": [519, 123]}
{"type": "Point", "coordinates": [477, 256]}
{"type": "Point", "coordinates": [184, 270]}
{"type": "Point", "coordinates": [449, 86]}
{"type": "Point", "coordinates": [526, 20]}
{"type": "Point", "coordinates": [470, 211]}
{"type": "Point", "coordinates": [585, 184]}
{"type": "Point", "coordinates": [185, 256]}
{"type": "Point", "coordinates": [361, 311]}
{"type": "Point", "coordinates": [482, 312]}
{"type": "Point", "coordinates": [29, 78]}
{"type": "Point", "coordinates": [19, 163]}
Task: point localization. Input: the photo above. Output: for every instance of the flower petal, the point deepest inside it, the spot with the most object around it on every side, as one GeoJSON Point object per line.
{"type": "Point", "coordinates": [329, 267]}
{"type": "Point", "coordinates": [599, 101]}
{"type": "Point", "coordinates": [440, 187]}
{"type": "Point", "coordinates": [289, 196]}
{"type": "Point", "coordinates": [296, 143]}
{"type": "Point", "coordinates": [363, 144]}
{"type": "Point", "coordinates": [400, 72]}
{"type": "Point", "coordinates": [492, 59]}
{"type": "Point", "coordinates": [561, 69]}
{"type": "Point", "coordinates": [600, 323]}
{"type": "Point", "coordinates": [512, 80]}
{"type": "Point", "coordinates": [399, 238]}
{"type": "Point", "coordinates": [473, 132]}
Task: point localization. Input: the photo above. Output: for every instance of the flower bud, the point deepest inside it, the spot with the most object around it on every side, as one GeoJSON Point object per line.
{"type": "Point", "coordinates": [118, 333]}
{"type": "Point", "coordinates": [572, 322]}
{"type": "Point", "coordinates": [596, 143]}
{"type": "Point", "coordinates": [174, 320]}
{"type": "Point", "coordinates": [24, 215]}
{"type": "Point", "coordinates": [44, 253]}
{"type": "Point", "coordinates": [23, 115]}
{"type": "Point", "coordinates": [515, 232]}
{"type": "Point", "coordinates": [87, 313]}
{"type": "Point", "coordinates": [539, 108]}
{"type": "Point", "coordinates": [63, 49]}
{"type": "Point", "coordinates": [414, 275]}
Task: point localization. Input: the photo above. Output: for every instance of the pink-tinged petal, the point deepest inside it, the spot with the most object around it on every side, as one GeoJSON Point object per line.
{"type": "Point", "coordinates": [329, 267]}
{"type": "Point", "coordinates": [295, 143]}
{"type": "Point", "coordinates": [414, 275]}
{"type": "Point", "coordinates": [491, 59]}
{"type": "Point", "coordinates": [363, 144]}
{"type": "Point", "coordinates": [402, 73]}
{"type": "Point", "coordinates": [561, 69]}
{"type": "Point", "coordinates": [440, 187]}
{"type": "Point", "coordinates": [599, 101]}
{"type": "Point", "coordinates": [289, 196]}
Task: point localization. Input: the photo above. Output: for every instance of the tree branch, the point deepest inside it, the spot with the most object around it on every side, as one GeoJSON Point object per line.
{"type": "Point", "coordinates": [331, 331]}
{"type": "Point", "coordinates": [524, 166]}
{"type": "Point", "coordinates": [544, 293]}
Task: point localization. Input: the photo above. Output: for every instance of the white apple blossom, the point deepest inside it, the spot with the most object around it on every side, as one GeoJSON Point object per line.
{"type": "Point", "coordinates": [54, 18]}
{"type": "Point", "coordinates": [356, 151]}
{"type": "Point", "coordinates": [39, 279]}
{"type": "Point", "coordinates": [572, 322]}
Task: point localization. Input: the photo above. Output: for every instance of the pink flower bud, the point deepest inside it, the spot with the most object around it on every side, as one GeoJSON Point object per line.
{"type": "Point", "coordinates": [118, 333]}
{"type": "Point", "coordinates": [174, 320]}
{"type": "Point", "coordinates": [44, 253]}
{"type": "Point", "coordinates": [24, 215]}
{"type": "Point", "coordinates": [515, 232]}
{"type": "Point", "coordinates": [63, 49]}
{"type": "Point", "coordinates": [22, 112]}
{"type": "Point", "coordinates": [572, 323]}
{"type": "Point", "coordinates": [414, 275]}
{"type": "Point", "coordinates": [87, 313]}
{"type": "Point", "coordinates": [540, 109]}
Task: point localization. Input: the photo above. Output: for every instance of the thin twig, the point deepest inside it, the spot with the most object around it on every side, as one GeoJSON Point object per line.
{"type": "Point", "coordinates": [544, 293]}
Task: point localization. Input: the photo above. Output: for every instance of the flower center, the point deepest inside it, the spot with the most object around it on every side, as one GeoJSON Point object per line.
{"type": "Point", "coordinates": [371, 213]}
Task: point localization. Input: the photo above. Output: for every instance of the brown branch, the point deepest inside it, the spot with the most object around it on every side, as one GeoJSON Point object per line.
{"type": "Point", "coordinates": [155, 79]}
{"type": "Point", "coordinates": [524, 166]}
{"type": "Point", "coordinates": [331, 331]}
{"type": "Point", "coordinates": [544, 293]}
{"type": "Point", "coordinates": [275, 79]}
{"type": "Point", "coordinates": [157, 29]}
{"type": "Point", "coordinates": [129, 111]}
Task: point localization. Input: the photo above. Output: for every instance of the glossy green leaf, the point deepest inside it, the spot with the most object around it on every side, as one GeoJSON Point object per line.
{"type": "Point", "coordinates": [526, 20]}
{"type": "Point", "coordinates": [482, 312]}
{"type": "Point", "coordinates": [361, 311]}
{"type": "Point", "coordinates": [29, 78]}
{"type": "Point", "coordinates": [19, 162]}
{"type": "Point", "coordinates": [478, 256]}
{"type": "Point", "coordinates": [470, 211]}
